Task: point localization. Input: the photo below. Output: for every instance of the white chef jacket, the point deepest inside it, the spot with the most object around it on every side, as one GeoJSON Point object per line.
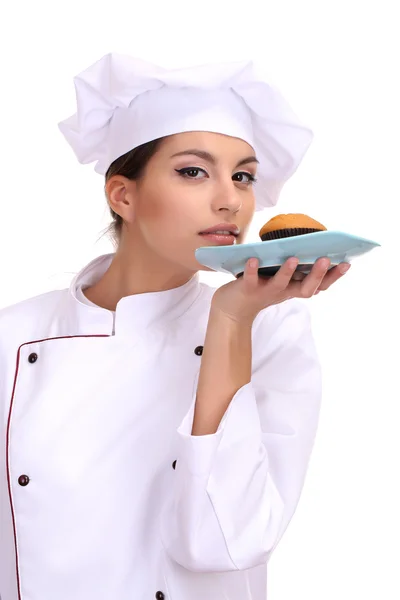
{"type": "Point", "coordinates": [104, 493]}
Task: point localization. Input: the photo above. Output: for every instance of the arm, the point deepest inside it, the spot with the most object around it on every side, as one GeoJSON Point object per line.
{"type": "Point", "coordinates": [238, 481]}
{"type": "Point", "coordinates": [225, 368]}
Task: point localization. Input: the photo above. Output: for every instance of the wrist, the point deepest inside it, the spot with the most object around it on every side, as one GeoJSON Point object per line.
{"type": "Point", "coordinates": [244, 322]}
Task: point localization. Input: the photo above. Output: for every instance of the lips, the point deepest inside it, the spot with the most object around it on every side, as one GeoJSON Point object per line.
{"type": "Point", "coordinates": [222, 229]}
{"type": "Point", "coordinates": [219, 239]}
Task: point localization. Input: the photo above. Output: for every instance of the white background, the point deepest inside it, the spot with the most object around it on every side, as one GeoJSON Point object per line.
{"type": "Point", "coordinates": [337, 62]}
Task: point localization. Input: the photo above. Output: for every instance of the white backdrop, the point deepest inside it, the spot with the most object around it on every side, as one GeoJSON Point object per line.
{"type": "Point", "coordinates": [337, 62]}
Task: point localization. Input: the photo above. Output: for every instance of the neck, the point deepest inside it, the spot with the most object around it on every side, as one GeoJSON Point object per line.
{"type": "Point", "coordinates": [133, 271]}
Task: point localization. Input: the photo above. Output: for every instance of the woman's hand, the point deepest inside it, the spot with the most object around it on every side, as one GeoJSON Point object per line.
{"type": "Point", "coordinates": [241, 300]}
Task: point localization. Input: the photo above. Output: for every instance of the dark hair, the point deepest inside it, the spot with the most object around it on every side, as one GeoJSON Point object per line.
{"type": "Point", "coordinates": [132, 166]}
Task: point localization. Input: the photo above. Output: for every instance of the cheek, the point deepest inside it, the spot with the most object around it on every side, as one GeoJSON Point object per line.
{"type": "Point", "coordinates": [162, 210]}
{"type": "Point", "coordinates": [247, 212]}
{"type": "Point", "coordinates": [251, 204]}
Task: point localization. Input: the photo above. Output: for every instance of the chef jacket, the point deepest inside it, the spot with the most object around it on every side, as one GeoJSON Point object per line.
{"type": "Point", "coordinates": [104, 492]}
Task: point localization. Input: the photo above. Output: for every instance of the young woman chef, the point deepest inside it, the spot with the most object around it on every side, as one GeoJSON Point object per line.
{"type": "Point", "coordinates": [156, 432]}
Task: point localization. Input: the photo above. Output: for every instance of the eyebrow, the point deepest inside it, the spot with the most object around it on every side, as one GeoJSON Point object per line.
{"type": "Point", "coordinates": [211, 159]}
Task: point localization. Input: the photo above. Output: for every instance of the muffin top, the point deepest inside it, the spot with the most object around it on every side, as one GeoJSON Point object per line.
{"type": "Point", "coordinates": [291, 221]}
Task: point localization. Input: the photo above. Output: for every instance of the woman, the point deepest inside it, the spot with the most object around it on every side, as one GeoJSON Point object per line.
{"type": "Point", "coordinates": [156, 431]}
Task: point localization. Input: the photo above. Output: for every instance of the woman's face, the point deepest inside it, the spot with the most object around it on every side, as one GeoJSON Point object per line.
{"type": "Point", "coordinates": [194, 181]}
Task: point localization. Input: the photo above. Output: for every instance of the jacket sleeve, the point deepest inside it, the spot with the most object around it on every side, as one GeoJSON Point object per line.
{"type": "Point", "coordinates": [235, 492]}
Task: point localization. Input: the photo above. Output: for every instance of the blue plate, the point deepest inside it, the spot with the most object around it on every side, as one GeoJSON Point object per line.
{"type": "Point", "coordinates": [336, 245]}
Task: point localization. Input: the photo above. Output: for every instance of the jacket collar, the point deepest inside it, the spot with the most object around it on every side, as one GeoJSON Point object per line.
{"type": "Point", "coordinates": [134, 314]}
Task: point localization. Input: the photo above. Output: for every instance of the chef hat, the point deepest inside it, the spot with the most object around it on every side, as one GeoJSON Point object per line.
{"type": "Point", "coordinates": [123, 102]}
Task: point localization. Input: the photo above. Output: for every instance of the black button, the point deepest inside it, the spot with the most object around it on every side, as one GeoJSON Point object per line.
{"type": "Point", "coordinates": [174, 464]}
{"type": "Point", "coordinates": [199, 350]}
{"type": "Point", "coordinates": [33, 357]}
{"type": "Point", "coordinates": [23, 480]}
{"type": "Point", "coordinates": [160, 596]}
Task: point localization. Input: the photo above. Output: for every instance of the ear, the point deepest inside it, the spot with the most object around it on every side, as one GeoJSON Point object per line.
{"type": "Point", "coordinates": [120, 193]}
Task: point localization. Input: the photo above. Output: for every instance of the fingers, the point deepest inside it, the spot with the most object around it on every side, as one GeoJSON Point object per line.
{"type": "Point", "coordinates": [250, 275]}
{"type": "Point", "coordinates": [281, 280]}
{"type": "Point", "coordinates": [276, 283]}
{"type": "Point", "coordinates": [299, 276]}
{"type": "Point", "coordinates": [320, 278]}
{"type": "Point", "coordinates": [288, 280]}
{"type": "Point", "coordinates": [313, 281]}
{"type": "Point", "coordinates": [333, 275]}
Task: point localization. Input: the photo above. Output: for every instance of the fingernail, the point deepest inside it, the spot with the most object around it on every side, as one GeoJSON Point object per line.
{"type": "Point", "coordinates": [344, 268]}
{"type": "Point", "coordinates": [253, 263]}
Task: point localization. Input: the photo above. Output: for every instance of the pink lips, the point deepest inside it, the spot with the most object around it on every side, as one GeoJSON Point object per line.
{"type": "Point", "coordinates": [219, 239]}
{"type": "Point", "coordinates": [220, 229]}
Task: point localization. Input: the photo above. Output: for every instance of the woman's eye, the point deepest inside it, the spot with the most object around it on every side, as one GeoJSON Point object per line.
{"type": "Point", "coordinates": [190, 172]}
{"type": "Point", "coordinates": [242, 177]}
{"type": "Point", "coordinates": [195, 173]}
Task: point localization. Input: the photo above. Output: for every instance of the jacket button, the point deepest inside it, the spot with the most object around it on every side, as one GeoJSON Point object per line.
{"type": "Point", "coordinates": [160, 596]}
{"type": "Point", "coordinates": [23, 480]}
{"type": "Point", "coordinates": [199, 350]}
{"type": "Point", "coordinates": [174, 464]}
{"type": "Point", "coordinates": [33, 357]}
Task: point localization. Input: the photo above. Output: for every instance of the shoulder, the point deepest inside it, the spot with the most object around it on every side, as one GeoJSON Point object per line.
{"type": "Point", "coordinates": [33, 305]}
{"type": "Point", "coordinates": [284, 332]}
{"type": "Point", "coordinates": [291, 317]}
{"type": "Point", "coordinates": [19, 321]}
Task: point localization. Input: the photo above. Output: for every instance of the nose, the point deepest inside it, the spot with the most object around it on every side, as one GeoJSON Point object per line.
{"type": "Point", "coordinates": [227, 198]}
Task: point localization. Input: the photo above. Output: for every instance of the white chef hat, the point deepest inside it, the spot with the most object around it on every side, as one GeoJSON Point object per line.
{"type": "Point", "coordinates": [123, 102]}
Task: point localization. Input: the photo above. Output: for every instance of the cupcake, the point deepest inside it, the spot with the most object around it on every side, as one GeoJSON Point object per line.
{"type": "Point", "coordinates": [283, 226]}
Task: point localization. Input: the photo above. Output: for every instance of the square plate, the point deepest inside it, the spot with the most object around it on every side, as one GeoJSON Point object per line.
{"type": "Point", "coordinates": [336, 245]}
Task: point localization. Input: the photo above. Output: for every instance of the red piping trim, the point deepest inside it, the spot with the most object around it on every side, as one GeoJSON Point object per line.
{"type": "Point", "coordinates": [8, 440]}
